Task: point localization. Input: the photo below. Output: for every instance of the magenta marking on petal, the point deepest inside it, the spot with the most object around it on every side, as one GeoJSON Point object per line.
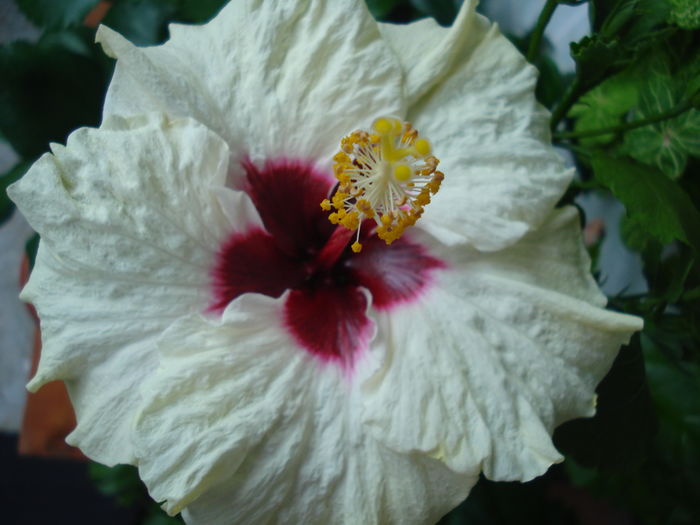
{"type": "Point", "coordinates": [252, 262]}
{"type": "Point", "coordinates": [330, 322]}
{"type": "Point", "coordinates": [393, 274]}
{"type": "Point", "coordinates": [301, 251]}
{"type": "Point", "coordinates": [287, 194]}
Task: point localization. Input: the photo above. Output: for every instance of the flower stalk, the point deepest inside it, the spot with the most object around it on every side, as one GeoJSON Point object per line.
{"type": "Point", "coordinates": [538, 32]}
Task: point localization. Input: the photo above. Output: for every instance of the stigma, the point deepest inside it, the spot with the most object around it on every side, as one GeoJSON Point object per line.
{"type": "Point", "coordinates": [387, 175]}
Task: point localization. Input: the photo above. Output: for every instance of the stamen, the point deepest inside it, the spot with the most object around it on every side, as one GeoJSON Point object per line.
{"type": "Point", "coordinates": [387, 175]}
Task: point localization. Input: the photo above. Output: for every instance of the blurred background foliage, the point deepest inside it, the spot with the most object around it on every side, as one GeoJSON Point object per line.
{"type": "Point", "coordinates": [630, 119]}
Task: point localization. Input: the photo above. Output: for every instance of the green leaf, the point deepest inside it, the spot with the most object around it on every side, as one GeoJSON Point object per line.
{"type": "Point", "coordinates": [605, 106]}
{"type": "Point", "coordinates": [633, 234]}
{"type": "Point", "coordinates": [676, 394]}
{"type": "Point", "coordinates": [143, 22]}
{"type": "Point", "coordinates": [634, 21]}
{"type": "Point", "coordinates": [199, 11]}
{"type": "Point", "coordinates": [381, 8]}
{"type": "Point", "coordinates": [444, 11]}
{"type": "Point", "coordinates": [655, 202]}
{"type": "Point", "coordinates": [668, 143]}
{"type": "Point", "coordinates": [623, 410]}
{"type": "Point", "coordinates": [48, 89]}
{"type": "Point", "coordinates": [30, 249]}
{"type": "Point", "coordinates": [157, 516]}
{"type": "Point", "coordinates": [680, 267]}
{"type": "Point", "coordinates": [685, 13]}
{"type": "Point", "coordinates": [14, 174]}
{"type": "Point", "coordinates": [551, 84]}
{"type": "Point", "coordinates": [595, 56]}
{"type": "Point", "coordinates": [121, 482]}
{"type": "Point", "coordinates": [626, 30]}
{"type": "Point", "coordinates": [659, 146]}
{"type": "Point", "coordinates": [56, 14]}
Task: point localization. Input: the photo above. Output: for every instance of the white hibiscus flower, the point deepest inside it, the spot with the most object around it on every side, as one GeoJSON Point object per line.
{"type": "Point", "coordinates": [216, 330]}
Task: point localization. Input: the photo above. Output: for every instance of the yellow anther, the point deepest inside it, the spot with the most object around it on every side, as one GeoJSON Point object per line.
{"type": "Point", "coordinates": [342, 158]}
{"type": "Point", "coordinates": [422, 147]}
{"type": "Point", "coordinates": [402, 172]}
{"type": "Point", "coordinates": [410, 220]}
{"type": "Point", "coordinates": [351, 221]}
{"type": "Point", "coordinates": [423, 198]}
{"type": "Point", "coordinates": [339, 200]}
{"type": "Point", "coordinates": [382, 126]}
{"type": "Point", "coordinates": [387, 174]}
{"type": "Point", "coordinates": [356, 247]}
{"type": "Point", "coordinates": [366, 208]}
{"type": "Point", "coordinates": [346, 144]}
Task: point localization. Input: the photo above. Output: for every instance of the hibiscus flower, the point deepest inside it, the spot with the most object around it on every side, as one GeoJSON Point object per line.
{"type": "Point", "coordinates": [222, 323]}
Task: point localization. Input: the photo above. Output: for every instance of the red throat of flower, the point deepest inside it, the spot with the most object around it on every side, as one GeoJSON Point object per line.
{"type": "Point", "coordinates": [329, 285]}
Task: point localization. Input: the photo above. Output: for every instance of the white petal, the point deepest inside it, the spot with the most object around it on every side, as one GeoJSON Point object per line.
{"type": "Point", "coordinates": [285, 78]}
{"type": "Point", "coordinates": [129, 221]}
{"type": "Point", "coordinates": [472, 95]}
{"type": "Point", "coordinates": [242, 426]}
{"type": "Point", "coordinates": [502, 349]}
{"type": "Point", "coordinates": [427, 51]}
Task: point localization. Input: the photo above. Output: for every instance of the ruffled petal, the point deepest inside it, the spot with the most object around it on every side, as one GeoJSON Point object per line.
{"type": "Point", "coordinates": [285, 78]}
{"type": "Point", "coordinates": [503, 348]}
{"type": "Point", "coordinates": [240, 425]}
{"type": "Point", "coordinates": [472, 93]}
{"type": "Point", "coordinates": [130, 220]}
{"type": "Point", "coordinates": [427, 51]}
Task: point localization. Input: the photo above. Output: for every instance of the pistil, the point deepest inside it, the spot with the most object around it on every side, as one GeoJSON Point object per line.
{"type": "Point", "coordinates": [388, 176]}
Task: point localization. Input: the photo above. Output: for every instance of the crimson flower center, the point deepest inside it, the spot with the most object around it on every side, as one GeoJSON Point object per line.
{"type": "Point", "coordinates": [298, 251]}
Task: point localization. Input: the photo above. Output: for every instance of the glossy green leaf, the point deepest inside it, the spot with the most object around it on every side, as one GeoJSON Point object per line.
{"type": "Point", "coordinates": [605, 106]}
{"type": "Point", "coordinates": [655, 202]}
{"type": "Point", "coordinates": [668, 143]}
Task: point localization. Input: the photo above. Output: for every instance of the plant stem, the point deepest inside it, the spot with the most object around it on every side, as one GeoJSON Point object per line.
{"type": "Point", "coordinates": [537, 33]}
{"type": "Point", "coordinates": [573, 92]}
{"type": "Point", "coordinates": [671, 113]}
